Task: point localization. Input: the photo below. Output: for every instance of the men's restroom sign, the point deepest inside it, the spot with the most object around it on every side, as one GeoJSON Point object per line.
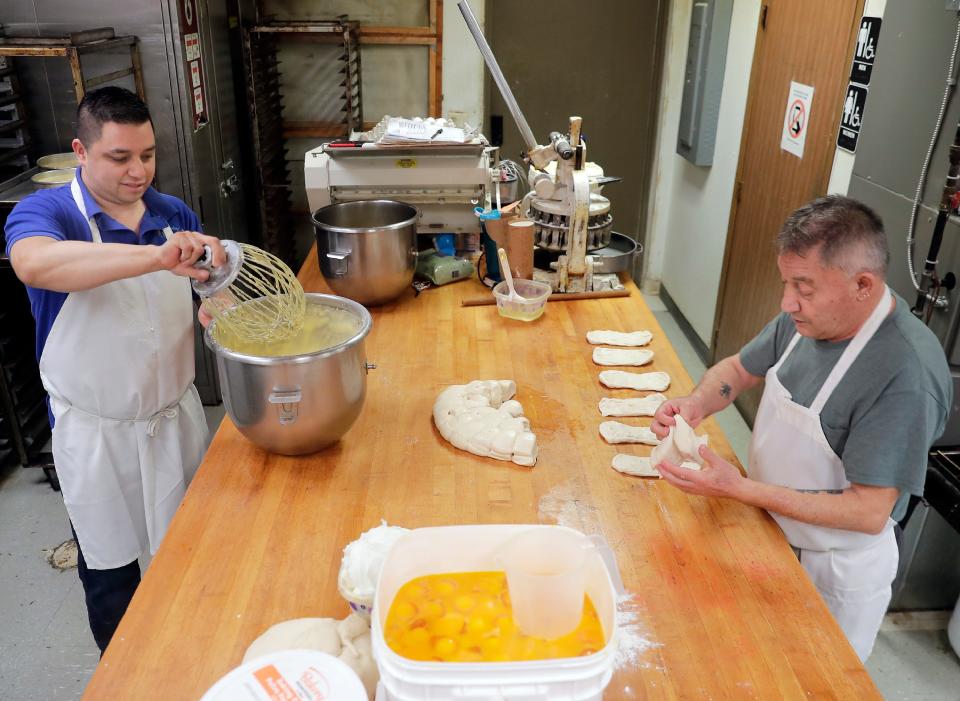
{"type": "Point", "coordinates": [852, 117]}
{"type": "Point", "coordinates": [865, 50]}
{"type": "Point", "coordinates": [796, 120]}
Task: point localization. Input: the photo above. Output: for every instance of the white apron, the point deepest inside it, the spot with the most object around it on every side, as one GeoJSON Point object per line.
{"type": "Point", "coordinates": [129, 429]}
{"type": "Point", "coordinates": [852, 571]}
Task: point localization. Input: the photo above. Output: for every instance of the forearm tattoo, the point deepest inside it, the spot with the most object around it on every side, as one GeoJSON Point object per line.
{"type": "Point", "coordinates": [725, 390]}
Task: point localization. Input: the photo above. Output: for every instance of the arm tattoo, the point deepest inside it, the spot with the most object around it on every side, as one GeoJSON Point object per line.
{"type": "Point", "coordinates": [725, 390]}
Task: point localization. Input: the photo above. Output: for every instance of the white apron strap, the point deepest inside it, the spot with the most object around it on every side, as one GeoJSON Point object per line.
{"type": "Point", "coordinates": [851, 352]}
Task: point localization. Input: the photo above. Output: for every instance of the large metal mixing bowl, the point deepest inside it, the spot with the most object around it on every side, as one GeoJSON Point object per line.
{"type": "Point", "coordinates": [368, 248]}
{"type": "Point", "coordinates": [296, 404]}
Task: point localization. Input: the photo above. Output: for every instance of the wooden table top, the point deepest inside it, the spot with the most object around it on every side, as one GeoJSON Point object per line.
{"type": "Point", "coordinates": [720, 608]}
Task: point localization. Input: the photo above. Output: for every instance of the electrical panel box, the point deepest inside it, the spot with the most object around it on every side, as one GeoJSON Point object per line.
{"type": "Point", "coordinates": [703, 80]}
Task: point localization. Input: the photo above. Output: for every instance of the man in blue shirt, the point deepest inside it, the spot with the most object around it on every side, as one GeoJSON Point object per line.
{"type": "Point", "coordinates": [107, 263]}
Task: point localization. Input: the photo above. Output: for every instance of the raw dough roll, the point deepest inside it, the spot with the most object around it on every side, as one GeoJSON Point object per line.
{"type": "Point", "coordinates": [616, 432]}
{"type": "Point", "coordinates": [622, 356]}
{"type": "Point", "coordinates": [621, 379]}
{"type": "Point", "coordinates": [619, 338]}
{"type": "Point", "coordinates": [645, 406]}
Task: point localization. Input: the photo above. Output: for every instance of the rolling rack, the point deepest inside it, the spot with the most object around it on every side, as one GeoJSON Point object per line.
{"type": "Point", "coordinates": [268, 129]}
{"type": "Point", "coordinates": [24, 427]}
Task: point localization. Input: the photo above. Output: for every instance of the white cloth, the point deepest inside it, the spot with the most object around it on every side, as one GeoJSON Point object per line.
{"type": "Point", "coordinates": [129, 430]}
{"type": "Point", "coordinates": [853, 571]}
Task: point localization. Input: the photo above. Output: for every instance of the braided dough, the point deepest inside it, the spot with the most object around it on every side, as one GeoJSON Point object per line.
{"type": "Point", "coordinates": [620, 379]}
{"type": "Point", "coordinates": [616, 432]}
{"type": "Point", "coordinates": [480, 417]}
{"type": "Point", "coordinates": [680, 447]}
{"type": "Point", "coordinates": [621, 356]}
{"type": "Point", "coordinates": [646, 406]}
{"type": "Point", "coordinates": [619, 338]}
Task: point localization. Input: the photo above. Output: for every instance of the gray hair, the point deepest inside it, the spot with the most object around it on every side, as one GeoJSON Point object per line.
{"type": "Point", "coordinates": [849, 234]}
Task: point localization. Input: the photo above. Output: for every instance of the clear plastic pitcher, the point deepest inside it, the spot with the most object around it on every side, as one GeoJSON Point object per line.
{"type": "Point", "coordinates": [545, 570]}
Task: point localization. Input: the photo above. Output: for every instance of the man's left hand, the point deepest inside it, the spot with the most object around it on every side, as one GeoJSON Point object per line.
{"type": "Point", "coordinates": [718, 478]}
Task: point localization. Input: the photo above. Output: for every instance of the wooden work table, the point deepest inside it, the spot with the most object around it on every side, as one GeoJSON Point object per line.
{"type": "Point", "coordinates": [724, 608]}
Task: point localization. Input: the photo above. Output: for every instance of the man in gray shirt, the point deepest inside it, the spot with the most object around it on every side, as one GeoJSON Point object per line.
{"type": "Point", "coordinates": [857, 389]}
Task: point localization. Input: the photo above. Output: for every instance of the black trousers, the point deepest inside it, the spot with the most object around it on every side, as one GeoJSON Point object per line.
{"type": "Point", "coordinates": [108, 593]}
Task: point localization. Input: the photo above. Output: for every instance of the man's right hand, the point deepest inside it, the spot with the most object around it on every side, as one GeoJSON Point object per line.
{"type": "Point", "coordinates": [688, 407]}
{"type": "Point", "coordinates": [182, 250]}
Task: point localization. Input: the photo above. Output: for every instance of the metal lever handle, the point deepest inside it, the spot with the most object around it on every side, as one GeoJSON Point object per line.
{"type": "Point", "coordinates": [338, 261]}
{"type": "Point", "coordinates": [288, 401]}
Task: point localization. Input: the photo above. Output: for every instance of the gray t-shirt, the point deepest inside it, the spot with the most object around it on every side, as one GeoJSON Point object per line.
{"type": "Point", "coordinates": [887, 410]}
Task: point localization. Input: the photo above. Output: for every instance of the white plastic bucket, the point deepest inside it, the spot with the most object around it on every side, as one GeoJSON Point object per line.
{"type": "Point", "coordinates": [475, 549]}
{"type": "Point", "coordinates": [295, 674]}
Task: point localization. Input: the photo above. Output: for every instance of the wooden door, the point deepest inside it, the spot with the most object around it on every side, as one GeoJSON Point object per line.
{"type": "Point", "coordinates": [811, 43]}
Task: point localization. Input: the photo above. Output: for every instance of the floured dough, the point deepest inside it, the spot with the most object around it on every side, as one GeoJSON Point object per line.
{"type": "Point", "coordinates": [620, 379]}
{"type": "Point", "coordinates": [643, 406]}
{"type": "Point", "coordinates": [348, 639]}
{"type": "Point", "coordinates": [619, 338]}
{"type": "Point", "coordinates": [680, 447]}
{"type": "Point", "coordinates": [481, 418]}
{"type": "Point", "coordinates": [616, 432]}
{"type": "Point", "coordinates": [641, 467]}
{"type": "Point", "coordinates": [622, 356]}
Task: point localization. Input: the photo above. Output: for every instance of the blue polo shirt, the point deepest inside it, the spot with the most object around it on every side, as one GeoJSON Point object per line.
{"type": "Point", "coordinates": [53, 213]}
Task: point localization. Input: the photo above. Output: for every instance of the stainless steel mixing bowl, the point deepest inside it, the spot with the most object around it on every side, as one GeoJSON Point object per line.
{"type": "Point", "coordinates": [367, 248]}
{"type": "Point", "coordinates": [296, 404]}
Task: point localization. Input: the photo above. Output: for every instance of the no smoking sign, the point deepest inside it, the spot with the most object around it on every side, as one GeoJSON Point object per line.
{"type": "Point", "coordinates": [796, 118]}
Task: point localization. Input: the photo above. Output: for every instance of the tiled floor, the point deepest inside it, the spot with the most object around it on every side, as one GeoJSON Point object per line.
{"type": "Point", "coordinates": [46, 651]}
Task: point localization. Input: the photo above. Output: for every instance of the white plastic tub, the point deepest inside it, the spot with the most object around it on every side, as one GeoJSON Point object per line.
{"type": "Point", "coordinates": [471, 549]}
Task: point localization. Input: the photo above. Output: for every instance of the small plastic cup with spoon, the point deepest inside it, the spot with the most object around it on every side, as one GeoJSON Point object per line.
{"type": "Point", "coordinates": [523, 300]}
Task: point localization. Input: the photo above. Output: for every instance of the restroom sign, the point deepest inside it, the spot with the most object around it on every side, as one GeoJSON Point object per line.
{"type": "Point", "coordinates": [854, 103]}
{"type": "Point", "coordinates": [796, 119]}
{"type": "Point", "coordinates": [865, 51]}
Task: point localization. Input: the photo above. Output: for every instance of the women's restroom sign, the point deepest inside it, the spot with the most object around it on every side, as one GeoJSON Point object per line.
{"type": "Point", "coordinates": [852, 117]}
{"type": "Point", "coordinates": [796, 120]}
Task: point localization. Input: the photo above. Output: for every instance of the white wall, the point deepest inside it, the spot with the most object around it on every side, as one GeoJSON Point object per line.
{"type": "Point", "coordinates": [690, 205]}
{"type": "Point", "coordinates": [463, 69]}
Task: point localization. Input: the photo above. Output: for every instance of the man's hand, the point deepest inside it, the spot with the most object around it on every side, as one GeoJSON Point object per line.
{"type": "Point", "coordinates": [688, 407]}
{"type": "Point", "coordinates": [184, 248]}
{"type": "Point", "coordinates": [203, 316]}
{"type": "Point", "coordinates": [718, 478]}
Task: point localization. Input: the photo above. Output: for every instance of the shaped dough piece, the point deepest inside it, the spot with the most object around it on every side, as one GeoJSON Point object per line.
{"type": "Point", "coordinates": [681, 446]}
{"type": "Point", "coordinates": [348, 639]}
{"type": "Point", "coordinates": [616, 432]}
{"type": "Point", "coordinates": [642, 406]}
{"type": "Point", "coordinates": [622, 356]}
{"type": "Point", "coordinates": [480, 417]}
{"type": "Point", "coordinates": [621, 379]}
{"type": "Point", "coordinates": [641, 467]}
{"type": "Point", "coordinates": [619, 338]}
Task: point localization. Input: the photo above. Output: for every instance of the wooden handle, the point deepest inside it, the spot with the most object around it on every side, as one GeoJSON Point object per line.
{"type": "Point", "coordinates": [555, 297]}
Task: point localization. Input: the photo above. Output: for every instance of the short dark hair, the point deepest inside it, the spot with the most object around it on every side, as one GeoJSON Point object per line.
{"type": "Point", "coordinates": [109, 104]}
{"type": "Point", "coordinates": [849, 234]}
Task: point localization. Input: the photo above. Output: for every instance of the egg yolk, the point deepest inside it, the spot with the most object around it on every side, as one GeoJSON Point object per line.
{"type": "Point", "coordinates": [466, 617]}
